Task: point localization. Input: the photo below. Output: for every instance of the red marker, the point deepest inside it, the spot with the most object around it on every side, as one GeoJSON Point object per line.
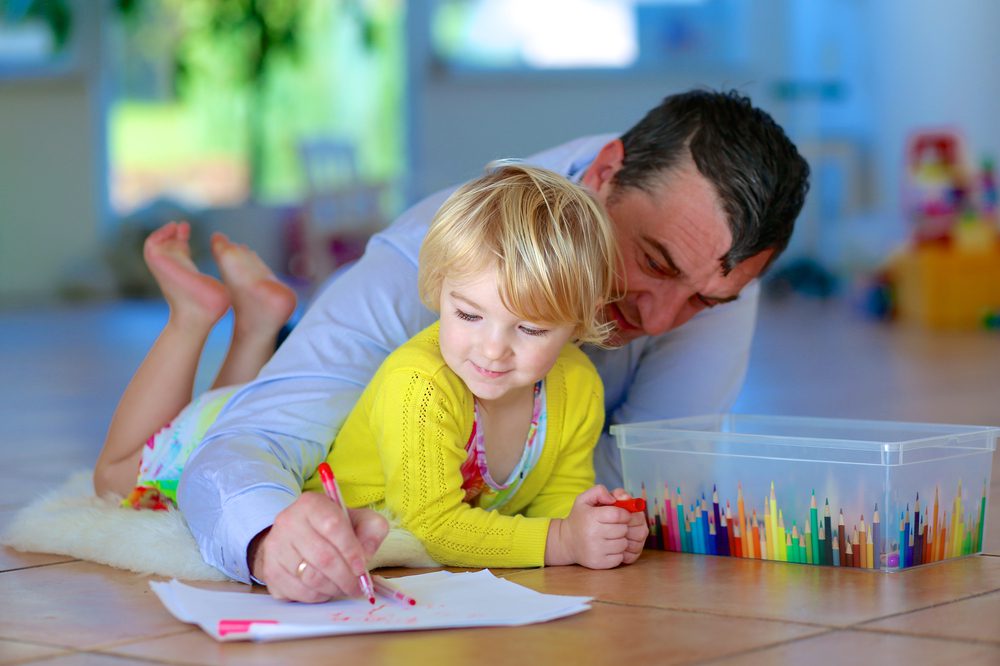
{"type": "Point", "coordinates": [239, 626]}
{"type": "Point", "coordinates": [387, 589]}
{"type": "Point", "coordinates": [633, 505]}
{"type": "Point", "coordinates": [333, 492]}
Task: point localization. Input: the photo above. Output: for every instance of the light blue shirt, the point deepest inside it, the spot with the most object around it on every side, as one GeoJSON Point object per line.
{"type": "Point", "coordinates": [274, 432]}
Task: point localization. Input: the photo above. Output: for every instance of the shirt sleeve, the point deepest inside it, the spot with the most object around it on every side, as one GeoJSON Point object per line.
{"type": "Point", "coordinates": [698, 368]}
{"type": "Point", "coordinates": [274, 432]}
{"type": "Point", "coordinates": [418, 423]}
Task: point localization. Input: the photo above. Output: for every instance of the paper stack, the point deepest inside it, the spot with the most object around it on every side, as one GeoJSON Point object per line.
{"type": "Point", "coordinates": [445, 599]}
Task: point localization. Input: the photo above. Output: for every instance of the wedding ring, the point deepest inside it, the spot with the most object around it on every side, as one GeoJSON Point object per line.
{"type": "Point", "coordinates": [301, 569]}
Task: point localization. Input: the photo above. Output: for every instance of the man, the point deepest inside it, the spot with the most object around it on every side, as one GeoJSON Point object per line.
{"type": "Point", "coordinates": [703, 193]}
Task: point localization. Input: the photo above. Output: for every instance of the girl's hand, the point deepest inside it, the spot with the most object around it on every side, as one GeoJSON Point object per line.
{"type": "Point", "coordinates": [638, 530]}
{"type": "Point", "coordinates": [594, 534]}
{"type": "Point", "coordinates": [314, 530]}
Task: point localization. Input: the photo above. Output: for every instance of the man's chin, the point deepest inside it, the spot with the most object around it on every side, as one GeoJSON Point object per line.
{"type": "Point", "coordinates": [620, 338]}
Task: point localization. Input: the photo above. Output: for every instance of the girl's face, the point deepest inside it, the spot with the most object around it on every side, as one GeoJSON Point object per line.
{"type": "Point", "coordinates": [488, 347]}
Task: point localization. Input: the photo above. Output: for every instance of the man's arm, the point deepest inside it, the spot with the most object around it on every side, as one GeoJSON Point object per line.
{"type": "Point", "coordinates": [275, 431]}
{"type": "Point", "coordinates": [697, 368]}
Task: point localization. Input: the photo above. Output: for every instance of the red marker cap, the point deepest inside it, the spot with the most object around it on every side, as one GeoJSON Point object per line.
{"type": "Point", "coordinates": [634, 505]}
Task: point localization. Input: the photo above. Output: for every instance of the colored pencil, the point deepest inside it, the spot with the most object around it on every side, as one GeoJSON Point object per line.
{"type": "Point", "coordinates": [772, 535]}
{"type": "Point", "coordinates": [758, 552]}
{"type": "Point", "coordinates": [956, 515]}
{"type": "Point", "coordinates": [842, 538]}
{"type": "Point", "coordinates": [870, 552]}
{"type": "Point", "coordinates": [810, 539]}
{"type": "Point", "coordinates": [828, 527]}
{"type": "Point", "coordinates": [918, 544]}
{"type": "Point", "coordinates": [862, 540]}
{"type": "Point", "coordinates": [707, 538]}
{"type": "Point", "coordinates": [780, 546]}
{"type": "Point", "coordinates": [934, 528]}
{"type": "Point", "coordinates": [877, 533]}
{"type": "Point", "coordinates": [856, 549]}
{"type": "Point", "coordinates": [812, 528]}
{"type": "Point", "coordinates": [821, 550]}
{"type": "Point", "coordinates": [719, 536]}
{"type": "Point", "coordinates": [682, 527]}
{"type": "Point", "coordinates": [982, 520]}
{"type": "Point", "coordinates": [668, 538]}
{"type": "Point", "coordinates": [731, 526]}
{"type": "Point", "coordinates": [724, 538]}
{"type": "Point", "coordinates": [769, 529]}
{"type": "Point", "coordinates": [908, 543]}
{"type": "Point", "coordinates": [902, 541]}
{"type": "Point", "coordinates": [848, 560]}
{"type": "Point", "coordinates": [741, 511]}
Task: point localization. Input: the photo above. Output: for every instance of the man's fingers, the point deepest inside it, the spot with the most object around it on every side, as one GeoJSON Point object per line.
{"type": "Point", "coordinates": [371, 529]}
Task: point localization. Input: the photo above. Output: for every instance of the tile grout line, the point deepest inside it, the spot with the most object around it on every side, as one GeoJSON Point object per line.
{"type": "Point", "coordinates": [936, 637]}
{"type": "Point", "coordinates": [928, 607]}
{"type": "Point", "coordinates": [761, 648]}
{"type": "Point", "coordinates": [695, 611]}
{"type": "Point", "coordinates": [39, 566]}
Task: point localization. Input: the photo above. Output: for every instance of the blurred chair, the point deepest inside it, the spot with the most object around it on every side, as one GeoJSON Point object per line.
{"type": "Point", "coordinates": [340, 212]}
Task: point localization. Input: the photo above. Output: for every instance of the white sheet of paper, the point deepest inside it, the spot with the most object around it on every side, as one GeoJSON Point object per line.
{"type": "Point", "coordinates": [445, 599]}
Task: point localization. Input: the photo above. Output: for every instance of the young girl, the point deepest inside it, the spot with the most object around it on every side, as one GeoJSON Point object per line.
{"type": "Point", "coordinates": [477, 434]}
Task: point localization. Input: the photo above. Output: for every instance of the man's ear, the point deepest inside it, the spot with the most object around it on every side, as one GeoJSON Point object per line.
{"type": "Point", "coordinates": [605, 166]}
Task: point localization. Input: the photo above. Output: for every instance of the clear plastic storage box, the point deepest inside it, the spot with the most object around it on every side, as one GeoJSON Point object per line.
{"type": "Point", "coordinates": [869, 494]}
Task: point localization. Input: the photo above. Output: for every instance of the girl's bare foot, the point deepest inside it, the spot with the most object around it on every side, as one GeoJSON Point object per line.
{"type": "Point", "coordinates": [195, 299]}
{"type": "Point", "coordinates": [261, 303]}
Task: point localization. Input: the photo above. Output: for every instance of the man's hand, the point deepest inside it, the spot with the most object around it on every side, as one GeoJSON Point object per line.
{"type": "Point", "coordinates": [314, 530]}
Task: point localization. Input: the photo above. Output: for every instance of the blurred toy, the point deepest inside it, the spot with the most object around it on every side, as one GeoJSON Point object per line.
{"type": "Point", "coordinates": [942, 201]}
{"type": "Point", "coordinates": [948, 275]}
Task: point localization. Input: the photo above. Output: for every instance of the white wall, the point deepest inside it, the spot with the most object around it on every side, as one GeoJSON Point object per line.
{"type": "Point", "coordinates": [459, 122]}
{"type": "Point", "coordinates": [935, 65]}
{"type": "Point", "coordinates": [51, 173]}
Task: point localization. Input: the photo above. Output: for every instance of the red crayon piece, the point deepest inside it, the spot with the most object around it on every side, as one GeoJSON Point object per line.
{"type": "Point", "coordinates": [633, 505]}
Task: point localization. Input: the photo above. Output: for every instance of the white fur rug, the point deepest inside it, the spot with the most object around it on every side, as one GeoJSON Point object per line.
{"type": "Point", "coordinates": [72, 521]}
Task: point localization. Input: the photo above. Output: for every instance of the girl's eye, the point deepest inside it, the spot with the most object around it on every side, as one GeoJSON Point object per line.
{"type": "Point", "coordinates": [465, 316]}
{"type": "Point", "coordinates": [534, 331]}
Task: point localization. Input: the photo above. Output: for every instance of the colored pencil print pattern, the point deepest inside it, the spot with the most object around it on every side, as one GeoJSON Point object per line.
{"type": "Point", "coordinates": [823, 537]}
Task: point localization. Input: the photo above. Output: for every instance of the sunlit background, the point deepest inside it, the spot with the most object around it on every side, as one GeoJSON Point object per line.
{"type": "Point", "coordinates": [302, 126]}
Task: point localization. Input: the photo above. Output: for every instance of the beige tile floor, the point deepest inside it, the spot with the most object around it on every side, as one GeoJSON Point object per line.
{"type": "Point", "coordinates": [63, 369]}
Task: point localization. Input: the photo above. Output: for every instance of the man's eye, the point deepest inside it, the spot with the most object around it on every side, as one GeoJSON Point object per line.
{"type": "Point", "coordinates": [652, 265]}
{"type": "Point", "coordinates": [534, 331]}
{"type": "Point", "coordinates": [466, 316]}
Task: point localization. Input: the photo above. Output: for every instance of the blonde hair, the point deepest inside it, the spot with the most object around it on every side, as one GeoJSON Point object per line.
{"type": "Point", "coordinates": [551, 243]}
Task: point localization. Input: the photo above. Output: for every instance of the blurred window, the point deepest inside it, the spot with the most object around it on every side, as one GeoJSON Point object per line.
{"type": "Point", "coordinates": [534, 35]}
{"type": "Point", "coordinates": [200, 116]}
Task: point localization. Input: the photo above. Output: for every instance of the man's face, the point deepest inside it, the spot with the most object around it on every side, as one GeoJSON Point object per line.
{"type": "Point", "coordinates": [671, 240]}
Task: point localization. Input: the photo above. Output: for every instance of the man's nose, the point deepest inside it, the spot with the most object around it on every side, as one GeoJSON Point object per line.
{"type": "Point", "coordinates": [663, 309]}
